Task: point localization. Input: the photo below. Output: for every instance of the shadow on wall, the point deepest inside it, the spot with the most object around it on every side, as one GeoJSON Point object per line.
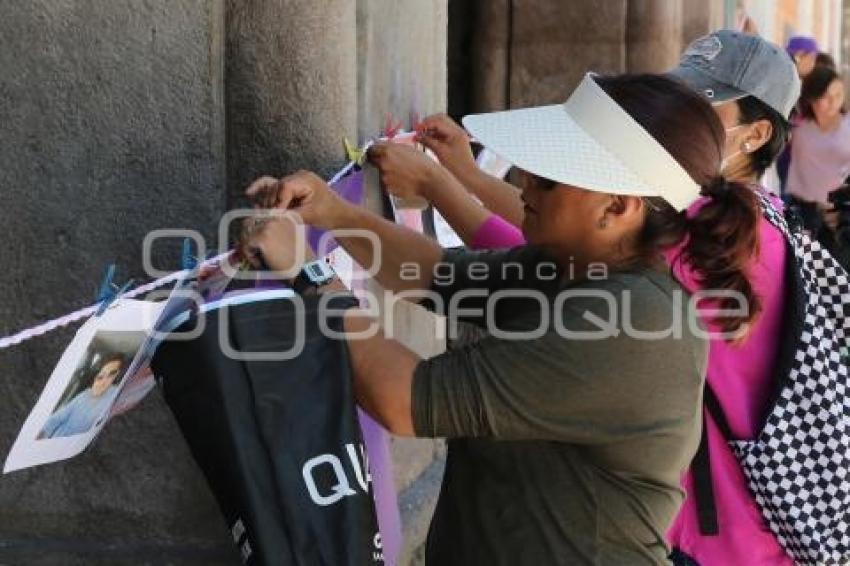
{"type": "Point", "coordinates": [514, 53]}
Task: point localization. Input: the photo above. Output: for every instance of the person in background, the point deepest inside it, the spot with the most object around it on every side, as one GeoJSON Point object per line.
{"type": "Point", "coordinates": [561, 450]}
{"type": "Point", "coordinates": [753, 96]}
{"type": "Point", "coordinates": [825, 60]}
{"type": "Point", "coordinates": [820, 154]}
{"type": "Point", "coordinates": [79, 414]}
{"type": "Point", "coordinates": [753, 86]}
{"type": "Point", "coordinates": [803, 50]}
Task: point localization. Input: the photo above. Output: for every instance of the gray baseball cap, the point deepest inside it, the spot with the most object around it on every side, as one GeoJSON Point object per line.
{"type": "Point", "coordinates": [728, 65]}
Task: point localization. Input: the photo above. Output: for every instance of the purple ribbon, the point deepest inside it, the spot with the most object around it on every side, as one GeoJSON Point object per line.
{"type": "Point", "coordinates": [375, 438]}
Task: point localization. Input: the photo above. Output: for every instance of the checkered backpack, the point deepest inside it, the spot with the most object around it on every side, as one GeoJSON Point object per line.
{"type": "Point", "coordinates": [798, 467]}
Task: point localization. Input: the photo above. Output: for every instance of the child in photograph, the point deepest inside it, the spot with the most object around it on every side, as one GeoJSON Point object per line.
{"type": "Point", "coordinates": [79, 414]}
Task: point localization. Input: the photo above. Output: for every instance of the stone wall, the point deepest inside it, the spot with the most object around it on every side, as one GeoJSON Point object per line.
{"type": "Point", "coordinates": [113, 117]}
{"type": "Point", "coordinates": [120, 117]}
{"type": "Point", "coordinates": [291, 88]}
{"type": "Point", "coordinates": [514, 53]}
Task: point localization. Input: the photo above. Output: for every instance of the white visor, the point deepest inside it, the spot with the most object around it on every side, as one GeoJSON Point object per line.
{"type": "Point", "coordinates": [588, 142]}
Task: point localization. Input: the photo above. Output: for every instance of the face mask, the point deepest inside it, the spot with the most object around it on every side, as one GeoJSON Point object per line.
{"type": "Point", "coordinates": [725, 161]}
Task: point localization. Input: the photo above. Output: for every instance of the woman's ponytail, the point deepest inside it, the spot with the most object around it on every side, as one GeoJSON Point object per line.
{"type": "Point", "coordinates": [722, 240]}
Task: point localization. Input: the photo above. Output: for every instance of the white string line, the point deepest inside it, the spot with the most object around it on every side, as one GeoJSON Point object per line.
{"type": "Point", "coordinates": [65, 320]}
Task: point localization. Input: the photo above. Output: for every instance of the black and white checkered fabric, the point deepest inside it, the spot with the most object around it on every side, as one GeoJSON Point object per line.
{"type": "Point", "coordinates": [798, 467]}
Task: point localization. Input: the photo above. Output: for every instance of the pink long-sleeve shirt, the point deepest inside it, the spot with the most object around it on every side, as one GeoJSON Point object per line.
{"type": "Point", "coordinates": [496, 233]}
{"type": "Point", "coordinates": [741, 375]}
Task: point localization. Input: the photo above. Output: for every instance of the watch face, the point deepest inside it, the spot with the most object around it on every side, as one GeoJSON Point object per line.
{"type": "Point", "coordinates": [318, 272]}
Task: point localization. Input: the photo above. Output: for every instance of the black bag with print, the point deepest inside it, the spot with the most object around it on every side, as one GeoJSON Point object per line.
{"type": "Point", "coordinates": [277, 439]}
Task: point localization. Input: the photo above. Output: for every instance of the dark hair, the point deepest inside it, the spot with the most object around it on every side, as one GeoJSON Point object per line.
{"type": "Point", "coordinates": [825, 60]}
{"type": "Point", "coordinates": [722, 236]}
{"type": "Point", "coordinates": [108, 359]}
{"type": "Point", "coordinates": [814, 86]}
{"type": "Point", "coordinates": [751, 109]}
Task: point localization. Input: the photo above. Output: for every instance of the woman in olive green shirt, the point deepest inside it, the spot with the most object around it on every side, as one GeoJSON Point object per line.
{"type": "Point", "coordinates": [570, 423]}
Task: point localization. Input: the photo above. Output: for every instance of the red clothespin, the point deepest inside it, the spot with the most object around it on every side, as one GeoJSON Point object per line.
{"type": "Point", "coordinates": [391, 127]}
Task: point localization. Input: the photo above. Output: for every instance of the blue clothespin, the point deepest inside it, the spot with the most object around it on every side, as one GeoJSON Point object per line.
{"type": "Point", "coordinates": [188, 261]}
{"type": "Point", "coordinates": [108, 292]}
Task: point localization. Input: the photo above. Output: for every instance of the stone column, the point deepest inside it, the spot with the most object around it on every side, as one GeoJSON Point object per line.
{"type": "Point", "coordinates": [291, 88]}
{"type": "Point", "coordinates": [490, 65]}
{"type": "Point", "coordinates": [555, 43]}
{"type": "Point", "coordinates": [401, 63]}
{"type": "Point", "coordinates": [531, 52]}
{"type": "Point", "coordinates": [112, 116]}
{"type": "Point", "coordinates": [653, 35]}
{"type": "Point", "coordinates": [700, 18]}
